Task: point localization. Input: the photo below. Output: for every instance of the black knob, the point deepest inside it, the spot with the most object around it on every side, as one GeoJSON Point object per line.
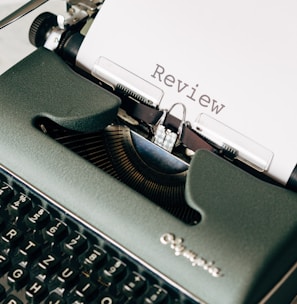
{"type": "Point", "coordinates": [40, 28]}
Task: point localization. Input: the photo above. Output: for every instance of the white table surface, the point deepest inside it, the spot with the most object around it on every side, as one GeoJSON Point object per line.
{"type": "Point", "coordinates": [14, 42]}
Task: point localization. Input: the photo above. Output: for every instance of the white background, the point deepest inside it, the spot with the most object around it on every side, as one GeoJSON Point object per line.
{"type": "Point", "coordinates": [14, 42]}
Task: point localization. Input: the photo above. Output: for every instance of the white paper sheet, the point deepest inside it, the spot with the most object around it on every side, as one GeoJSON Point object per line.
{"type": "Point", "coordinates": [233, 61]}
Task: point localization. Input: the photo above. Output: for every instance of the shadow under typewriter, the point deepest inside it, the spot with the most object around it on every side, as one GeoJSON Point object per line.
{"type": "Point", "coordinates": [134, 160]}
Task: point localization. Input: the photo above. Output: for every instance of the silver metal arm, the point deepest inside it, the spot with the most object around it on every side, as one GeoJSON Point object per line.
{"type": "Point", "coordinates": [22, 11]}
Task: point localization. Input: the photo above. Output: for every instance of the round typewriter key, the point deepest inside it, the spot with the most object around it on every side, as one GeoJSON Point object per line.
{"type": "Point", "coordinates": [18, 277]}
{"type": "Point", "coordinates": [6, 192]}
{"type": "Point", "coordinates": [75, 244]}
{"type": "Point", "coordinates": [107, 299]}
{"type": "Point", "coordinates": [29, 249]}
{"type": "Point", "coordinates": [156, 295]}
{"type": "Point", "coordinates": [67, 276]}
{"type": "Point", "coordinates": [55, 231]}
{"type": "Point", "coordinates": [86, 289]}
{"type": "Point", "coordinates": [12, 236]}
{"type": "Point", "coordinates": [36, 291]}
{"type": "Point", "coordinates": [114, 270]}
{"type": "Point", "coordinates": [134, 285]}
{"type": "Point", "coordinates": [12, 300]}
{"type": "Point", "coordinates": [94, 258]}
{"type": "Point", "coordinates": [4, 263]}
{"type": "Point", "coordinates": [49, 263]}
{"type": "Point", "coordinates": [20, 205]}
{"type": "Point", "coordinates": [54, 299]}
{"type": "Point", "coordinates": [37, 218]}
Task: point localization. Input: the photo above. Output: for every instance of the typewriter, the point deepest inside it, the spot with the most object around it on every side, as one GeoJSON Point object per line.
{"type": "Point", "coordinates": [112, 190]}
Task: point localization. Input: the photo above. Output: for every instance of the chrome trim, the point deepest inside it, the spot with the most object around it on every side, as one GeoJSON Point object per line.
{"type": "Point", "coordinates": [279, 284]}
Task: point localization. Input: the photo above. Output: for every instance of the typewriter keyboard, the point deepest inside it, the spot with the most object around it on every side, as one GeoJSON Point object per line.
{"type": "Point", "coordinates": [48, 256]}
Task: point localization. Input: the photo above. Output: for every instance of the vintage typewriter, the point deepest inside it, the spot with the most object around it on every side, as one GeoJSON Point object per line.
{"type": "Point", "coordinates": [109, 196]}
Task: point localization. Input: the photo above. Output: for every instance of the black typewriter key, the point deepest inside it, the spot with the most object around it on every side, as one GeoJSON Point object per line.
{"type": "Point", "coordinates": [54, 298]}
{"type": "Point", "coordinates": [5, 263]}
{"type": "Point", "coordinates": [37, 218]}
{"type": "Point", "coordinates": [55, 231]}
{"type": "Point", "coordinates": [86, 289]}
{"type": "Point", "coordinates": [49, 263]}
{"type": "Point", "coordinates": [20, 205]}
{"type": "Point", "coordinates": [2, 223]}
{"type": "Point", "coordinates": [106, 298]}
{"type": "Point", "coordinates": [12, 236]}
{"type": "Point", "coordinates": [48, 257]}
{"type": "Point", "coordinates": [6, 193]}
{"type": "Point", "coordinates": [36, 291]}
{"type": "Point", "coordinates": [12, 300]}
{"type": "Point", "coordinates": [29, 249]}
{"type": "Point", "coordinates": [18, 277]}
{"type": "Point", "coordinates": [94, 257]}
{"type": "Point", "coordinates": [2, 292]}
{"type": "Point", "coordinates": [134, 285]}
{"type": "Point", "coordinates": [114, 270]}
{"type": "Point", "coordinates": [75, 244]}
{"type": "Point", "coordinates": [156, 295]}
{"type": "Point", "coordinates": [67, 276]}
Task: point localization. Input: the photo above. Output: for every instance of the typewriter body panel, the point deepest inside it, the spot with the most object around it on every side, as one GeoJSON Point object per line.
{"type": "Point", "coordinates": [242, 251]}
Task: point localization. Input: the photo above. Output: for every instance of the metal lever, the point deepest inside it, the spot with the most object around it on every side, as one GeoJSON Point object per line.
{"type": "Point", "coordinates": [22, 11]}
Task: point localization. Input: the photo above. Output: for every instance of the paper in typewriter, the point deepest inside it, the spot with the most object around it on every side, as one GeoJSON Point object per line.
{"type": "Point", "coordinates": [232, 64]}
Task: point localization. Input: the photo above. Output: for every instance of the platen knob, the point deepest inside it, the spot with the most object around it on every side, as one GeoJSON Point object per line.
{"type": "Point", "coordinates": [41, 27]}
